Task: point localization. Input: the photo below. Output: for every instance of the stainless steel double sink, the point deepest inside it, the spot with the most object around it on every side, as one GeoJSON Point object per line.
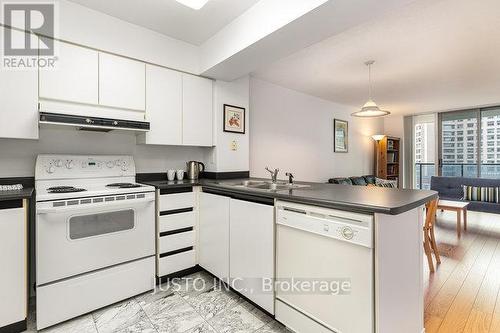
{"type": "Point", "coordinates": [266, 185]}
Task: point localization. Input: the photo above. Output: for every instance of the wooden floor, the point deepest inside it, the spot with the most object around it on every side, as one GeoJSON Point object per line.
{"type": "Point", "coordinates": [463, 294]}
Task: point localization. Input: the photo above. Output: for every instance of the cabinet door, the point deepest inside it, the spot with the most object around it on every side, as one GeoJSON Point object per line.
{"type": "Point", "coordinates": [197, 111]}
{"type": "Point", "coordinates": [18, 102]}
{"type": "Point", "coordinates": [163, 106]}
{"type": "Point", "coordinates": [122, 82]}
{"type": "Point", "coordinates": [252, 251]}
{"type": "Point", "coordinates": [13, 260]}
{"type": "Point", "coordinates": [75, 77]}
{"type": "Point", "coordinates": [214, 234]}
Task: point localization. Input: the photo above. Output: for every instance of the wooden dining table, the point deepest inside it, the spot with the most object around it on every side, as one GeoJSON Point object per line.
{"type": "Point", "coordinates": [460, 207]}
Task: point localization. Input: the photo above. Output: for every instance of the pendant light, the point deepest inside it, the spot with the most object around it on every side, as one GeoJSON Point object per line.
{"type": "Point", "coordinates": [370, 109]}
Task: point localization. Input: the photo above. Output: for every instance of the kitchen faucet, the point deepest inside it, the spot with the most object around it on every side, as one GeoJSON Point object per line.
{"type": "Point", "coordinates": [290, 178]}
{"type": "Point", "coordinates": [274, 174]}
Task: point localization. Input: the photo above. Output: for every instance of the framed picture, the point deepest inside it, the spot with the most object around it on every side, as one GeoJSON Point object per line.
{"type": "Point", "coordinates": [234, 119]}
{"type": "Point", "coordinates": [340, 136]}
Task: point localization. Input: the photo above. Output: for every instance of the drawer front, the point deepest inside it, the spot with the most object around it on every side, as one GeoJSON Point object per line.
{"type": "Point", "coordinates": [176, 241]}
{"type": "Point", "coordinates": [73, 297]}
{"type": "Point", "coordinates": [176, 201]}
{"type": "Point", "coordinates": [176, 221]}
{"type": "Point", "coordinates": [176, 262]}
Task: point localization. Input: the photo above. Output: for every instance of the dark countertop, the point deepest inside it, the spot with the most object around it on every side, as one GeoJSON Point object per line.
{"type": "Point", "coordinates": [165, 184]}
{"type": "Point", "coordinates": [364, 199]}
{"type": "Point", "coordinates": [25, 193]}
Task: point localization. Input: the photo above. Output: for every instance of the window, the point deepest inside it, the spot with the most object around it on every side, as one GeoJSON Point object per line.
{"type": "Point", "coordinates": [464, 162]}
{"type": "Point", "coordinates": [424, 149]}
{"type": "Point", "coordinates": [481, 137]}
{"type": "Point", "coordinates": [98, 224]}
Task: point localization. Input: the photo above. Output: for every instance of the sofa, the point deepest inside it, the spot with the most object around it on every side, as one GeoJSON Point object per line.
{"type": "Point", "coordinates": [362, 180]}
{"type": "Point", "coordinates": [450, 188]}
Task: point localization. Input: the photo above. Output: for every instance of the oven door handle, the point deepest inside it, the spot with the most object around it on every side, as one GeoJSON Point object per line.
{"type": "Point", "coordinates": [52, 210]}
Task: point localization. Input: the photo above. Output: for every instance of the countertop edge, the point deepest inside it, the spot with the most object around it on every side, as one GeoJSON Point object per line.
{"type": "Point", "coordinates": [25, 193]}
{"type": "Point", "coordinates": [310, 201]}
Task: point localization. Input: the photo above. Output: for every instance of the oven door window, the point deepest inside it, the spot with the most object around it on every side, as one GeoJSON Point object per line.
{"type": "Point", "coordinates": [85, 226]}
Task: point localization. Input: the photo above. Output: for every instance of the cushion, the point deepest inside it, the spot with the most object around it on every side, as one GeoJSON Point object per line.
{"type": "Point", "coordinates": [481, 193]}
{"type": "Point", "coordinates": [451, 187]}
{"type": "Point", "coordinates": [369, 179]}
{"type": "Point", "coordinates": [386, 183]}
{"type": "Point", "coordinates": [358, 181]}
{"type": "Point", "coordinates": [341, 181]}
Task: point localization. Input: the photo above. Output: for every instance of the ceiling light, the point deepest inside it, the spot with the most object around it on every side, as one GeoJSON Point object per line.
{"type": "Point", "coordinates": [195, 4]}
{"type": "Point", "coordinates": [370, 109]}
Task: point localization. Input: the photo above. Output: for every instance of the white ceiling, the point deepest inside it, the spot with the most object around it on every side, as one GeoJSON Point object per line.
{"type": "Point", "coordinates": [430, 55]}
{"type": "Point", "coordinates": [173, 19]}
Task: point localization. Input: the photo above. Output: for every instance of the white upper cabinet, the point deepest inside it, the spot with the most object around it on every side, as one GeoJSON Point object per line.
{"type": "Point", "coordinates": [18, 103]}
{"type": "Point", "coordinates": [197, 122]}
{"type": "Point", "coordinates": [122, 82]}
{"type": "Point", "coordinates": [75, 77]}
{"type": "Point", "coordinates": [163, 106]}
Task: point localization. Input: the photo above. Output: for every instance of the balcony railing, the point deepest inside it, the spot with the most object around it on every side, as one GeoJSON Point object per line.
{"type": "Point", "coordinates": [424, 172]}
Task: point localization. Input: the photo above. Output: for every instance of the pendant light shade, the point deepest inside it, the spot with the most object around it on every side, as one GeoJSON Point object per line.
{"type": "Point", "coordinates": [370, 109]}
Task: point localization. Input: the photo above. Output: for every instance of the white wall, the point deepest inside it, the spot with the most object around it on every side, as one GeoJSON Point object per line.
{"type": "Point", "coordinates": [293, 131]}
{"type": "Point", "coordinates": [17, 157]}
{"type": "Point", "coordinates": [222, 157]}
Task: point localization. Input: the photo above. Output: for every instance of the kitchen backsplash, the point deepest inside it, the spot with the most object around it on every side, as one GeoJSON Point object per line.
{"type": "Point", "coordinates": [17, 157]}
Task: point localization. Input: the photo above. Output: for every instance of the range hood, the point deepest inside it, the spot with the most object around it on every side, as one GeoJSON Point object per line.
{"type": "Point", "coordinates": [94, 124]}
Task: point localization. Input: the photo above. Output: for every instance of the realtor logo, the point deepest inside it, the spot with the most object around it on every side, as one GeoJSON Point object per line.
{"type": "Point", "coordinates": [27, 43]}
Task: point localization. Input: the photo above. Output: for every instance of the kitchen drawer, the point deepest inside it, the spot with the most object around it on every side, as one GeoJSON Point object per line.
{"type": "Point", "coordinates": [73, 297]}
{"type": "Point", "coordinates": [176, 221]}
{"type": "Point", "coordinates": [177, 262]}
{"type": "Point", "coordinates": [176, 201]}
{"type": "Point", "coordinates": [176, 241]}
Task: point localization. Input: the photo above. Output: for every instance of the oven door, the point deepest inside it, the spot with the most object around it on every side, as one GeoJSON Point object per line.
{"type": "Point", "coordinates": [83, 236]}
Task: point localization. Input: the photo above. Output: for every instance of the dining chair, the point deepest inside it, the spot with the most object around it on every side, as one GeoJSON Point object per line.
{"type": "Point", "coordinates": [429, 237]}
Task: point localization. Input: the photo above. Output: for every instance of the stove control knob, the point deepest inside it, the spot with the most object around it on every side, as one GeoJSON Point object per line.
{"type": "Point", "coordinates": [110, 164]}
{"type": "Point", "coordinates": [50, 169]}
{"type": "Point", "coordinates": [70, 164]}
{"type": "Point", "coordinates": [58, 163]}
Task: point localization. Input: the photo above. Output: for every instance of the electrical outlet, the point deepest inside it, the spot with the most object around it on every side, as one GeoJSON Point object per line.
{"type": "Point", "coordinates": [234, 145]}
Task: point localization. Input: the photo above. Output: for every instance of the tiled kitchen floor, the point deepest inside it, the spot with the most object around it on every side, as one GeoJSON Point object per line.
{"type": "Point", "coordinates": [205, 309]}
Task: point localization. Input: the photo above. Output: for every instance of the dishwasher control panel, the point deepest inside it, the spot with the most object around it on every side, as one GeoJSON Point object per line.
{"type": "Point", "coordinates": [345, 226]}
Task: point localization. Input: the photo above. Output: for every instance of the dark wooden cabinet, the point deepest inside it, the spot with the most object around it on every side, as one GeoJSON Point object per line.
{"type": "Point", "coordinates": [387, 158]}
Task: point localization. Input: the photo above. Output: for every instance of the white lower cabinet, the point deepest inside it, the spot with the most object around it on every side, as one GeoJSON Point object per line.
{"type": "Point", "coordinates": [252, 251]}
{"type": "Point", "coordinates": [214, 234]}
{"type": "Point", "coordinates": [13, 260]}
{"type": "Point", "coordinates": [176, 232]}
{"type": "Point", "coordinates": [236, 244]}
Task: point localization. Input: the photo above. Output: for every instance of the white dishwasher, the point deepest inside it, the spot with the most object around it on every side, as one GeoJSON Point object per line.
{"type": "Point", "coordinates": [328, 248]}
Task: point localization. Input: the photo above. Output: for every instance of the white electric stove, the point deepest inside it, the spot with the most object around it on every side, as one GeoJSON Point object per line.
{"type": "Point", "coordinates": [95, 234]}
